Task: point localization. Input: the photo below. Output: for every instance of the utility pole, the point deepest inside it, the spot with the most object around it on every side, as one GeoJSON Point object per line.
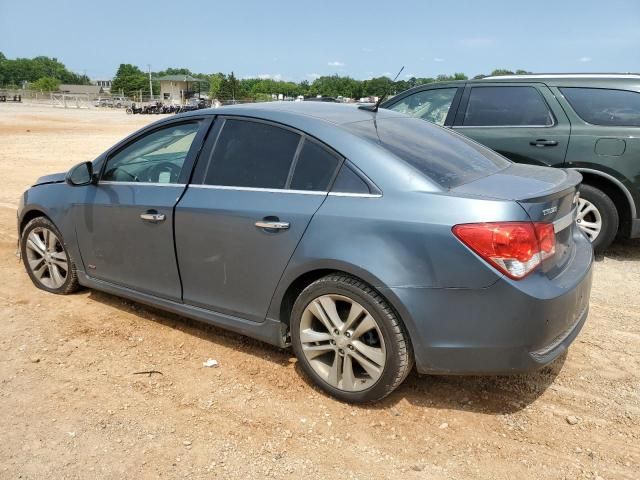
{"type": "Point", "coordinates": [150, 84]}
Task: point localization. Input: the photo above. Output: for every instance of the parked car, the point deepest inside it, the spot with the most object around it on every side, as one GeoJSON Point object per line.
{"type": "Point", "coordinates": [589, 123]}
{"type": "Point", "coordinates": [120, 102]}
{"type": "Point", "coordinates": [364, 240]}
{"type": "Point", "coordinates": [103, 102]}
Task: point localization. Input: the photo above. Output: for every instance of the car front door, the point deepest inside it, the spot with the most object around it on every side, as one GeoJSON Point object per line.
{"type": "Point", "coordinates": [523, 122]}
{"type": "Point", "coordinates": [255, 189]}
{"type": "Point", "coordinates": [125, 223]}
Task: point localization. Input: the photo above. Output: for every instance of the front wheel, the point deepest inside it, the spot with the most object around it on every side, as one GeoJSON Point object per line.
{"type": "Point", "coordinates": [597, 217]}
{"type": "Point", "coordinates": [46, 258]}
{"type": "Point", "coordinates": [348, 340]}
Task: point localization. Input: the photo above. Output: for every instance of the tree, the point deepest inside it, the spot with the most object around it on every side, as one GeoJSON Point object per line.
{"type": "Point", "coordinates": [130, 79]}
{"type": "Point", "coordinates": [501, 71]}
{"type": "Point", "coordinates": [230, 88]}
{"type": "Point", "coordinates": [46, 84]}
{"type": "Point", "coordinates": [31, 69]}
{"type": "Point", "coordinates": [215, 82]}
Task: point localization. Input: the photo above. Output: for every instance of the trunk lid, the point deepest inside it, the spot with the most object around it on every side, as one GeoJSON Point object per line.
{"type": "Point", "coordinates": [547, 195]}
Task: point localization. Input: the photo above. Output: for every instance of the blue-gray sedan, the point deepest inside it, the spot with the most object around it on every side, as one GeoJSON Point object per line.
{"type": "Point", "coordinates": [368, 241]}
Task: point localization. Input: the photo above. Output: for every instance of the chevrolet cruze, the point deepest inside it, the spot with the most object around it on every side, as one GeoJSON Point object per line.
{"type": "Point", "coordinates": [367, 241]}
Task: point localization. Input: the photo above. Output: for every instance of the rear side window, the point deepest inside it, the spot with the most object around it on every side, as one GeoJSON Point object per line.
{"type": "Point", "coordinates": [600, 106]}
{"type": "Point", "coordinates": [445, 157]}
{"type": "Point", "coordinates": [314, 169]}
{"type": "Point", "coordinates": [506, 106]}
{"type": "Point", "coordinates": [252, 154]}
{"type": "Point", "coordinates": [348, 181]}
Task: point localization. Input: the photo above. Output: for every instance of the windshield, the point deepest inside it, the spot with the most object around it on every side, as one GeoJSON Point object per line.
{"type": "Point", "coordinates": [445, 157]}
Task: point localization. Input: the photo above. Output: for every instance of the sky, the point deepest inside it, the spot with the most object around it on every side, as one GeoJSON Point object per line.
{"type": "Point", "coordinates": [301, 40]}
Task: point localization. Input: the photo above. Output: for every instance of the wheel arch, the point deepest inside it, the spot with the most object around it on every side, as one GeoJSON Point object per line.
{"type": "Point", "coordinates": [30, 215]}
{"type": "Point", "coordinates": [617, 191]}
{"type": "Point", "coordinates": [282, 304]}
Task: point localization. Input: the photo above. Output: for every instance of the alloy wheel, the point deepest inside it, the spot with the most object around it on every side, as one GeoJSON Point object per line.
{"type": "Point", "coordinates": [342, 342]}
{"type": "Point", "coordinates": [47, 258]}
{"type": "Point", "coordinates": [589, 219]}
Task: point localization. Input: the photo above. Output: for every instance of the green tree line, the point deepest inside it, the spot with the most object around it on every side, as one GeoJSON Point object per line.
{"type": "Point", "coordinates": [48, 72]}
{"type": "Point", "coordinates": [129, 79]}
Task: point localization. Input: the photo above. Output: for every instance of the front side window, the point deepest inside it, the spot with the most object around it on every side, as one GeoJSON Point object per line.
{"type": "Point", "coordinates": [431, 105]}
{"type": "Point", "coordinates": [600, 106]}
{"type": "Point", "coordinates": [158, 157]}
{"type": "Point", "coordinates": [507, 106]}
{"type": "Point", "coordinates": [252, 154]}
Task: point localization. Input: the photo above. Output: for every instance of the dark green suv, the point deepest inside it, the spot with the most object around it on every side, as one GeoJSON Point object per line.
{"type": "Point", "coordinates": [590, 123]}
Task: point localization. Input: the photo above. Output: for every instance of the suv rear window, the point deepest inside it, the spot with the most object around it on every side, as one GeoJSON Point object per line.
{"type": "Point", "coordinates": [447, 158]}
{"type": "Point", "coordinates": [601, 106]}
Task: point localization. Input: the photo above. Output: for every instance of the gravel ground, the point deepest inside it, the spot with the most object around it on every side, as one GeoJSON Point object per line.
{"type": "Point", "coordinates": [72, 407]}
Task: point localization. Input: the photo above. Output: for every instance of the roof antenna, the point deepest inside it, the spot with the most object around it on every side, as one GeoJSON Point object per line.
{"type": "Point", "coordinates": [375, 107]}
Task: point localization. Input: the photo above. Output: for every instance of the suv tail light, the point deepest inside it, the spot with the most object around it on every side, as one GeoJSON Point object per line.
{"type": "Point", "coordinates": [514, 248]}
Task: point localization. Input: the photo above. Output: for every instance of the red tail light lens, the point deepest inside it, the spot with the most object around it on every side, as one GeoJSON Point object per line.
{"type": "Point", "coordinates": [514, 248]}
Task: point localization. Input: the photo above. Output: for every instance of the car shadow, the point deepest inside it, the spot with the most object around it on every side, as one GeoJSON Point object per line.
{"type": "Point", "coordinates": [195, 328]}
{"type": "Point", "coordinates": [487, 394]}
{"type": "Point", "coordinates": [492, 395]}
{"type": "Point", "coordinates": [622, 249]}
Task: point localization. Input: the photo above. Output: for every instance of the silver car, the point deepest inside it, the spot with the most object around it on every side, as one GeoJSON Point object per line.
{"type": "Point", "coordinates": [367, 241]}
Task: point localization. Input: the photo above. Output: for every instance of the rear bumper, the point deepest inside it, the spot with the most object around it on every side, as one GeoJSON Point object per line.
{"type": "Point", "coordinates": [509, 327]}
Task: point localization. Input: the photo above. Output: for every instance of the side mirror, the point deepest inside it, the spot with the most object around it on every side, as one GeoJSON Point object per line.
{"type": "Point", "coordinates": [81, 174]}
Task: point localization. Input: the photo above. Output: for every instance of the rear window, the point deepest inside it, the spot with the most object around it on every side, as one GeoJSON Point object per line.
{"type": "Point", "coordinates": [446, 158]}
{"type": "Point", "coordinates": [601, 106]}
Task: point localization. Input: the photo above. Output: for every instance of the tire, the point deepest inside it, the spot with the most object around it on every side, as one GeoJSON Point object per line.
{"type": "Point", "coordinates": [386, 341]}
{"type": "Point", "coordinates": [601, 210]}
{"type": "Point", "coordinates": [43, 257]}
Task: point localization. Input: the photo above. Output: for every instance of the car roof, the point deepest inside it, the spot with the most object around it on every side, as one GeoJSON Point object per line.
{"type": "Point", "coordinates": [625, 81]}
{"type": "Point", "coordinates": [335, 113]}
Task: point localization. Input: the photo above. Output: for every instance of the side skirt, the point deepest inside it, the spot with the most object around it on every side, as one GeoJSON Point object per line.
{"type": "Point", "coordinates": [269, 331]}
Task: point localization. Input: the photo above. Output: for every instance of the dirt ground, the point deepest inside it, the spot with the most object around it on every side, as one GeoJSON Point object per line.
{"type": "Point", "coordinates": [71, 406]}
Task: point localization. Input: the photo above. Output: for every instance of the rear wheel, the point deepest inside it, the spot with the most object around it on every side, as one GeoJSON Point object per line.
{"type": "Point", "coordinates": [348, 339]}
{"type": "Point", "coordinates": [46, 258]}
{"type": "Point", "coordinates": [597, 217]}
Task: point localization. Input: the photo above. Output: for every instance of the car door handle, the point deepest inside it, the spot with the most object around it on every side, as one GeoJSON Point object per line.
{"type": "Point", "coordinates": [541, 142]}
{"type": "Point", "coordinates": [153, 216]}
{"type": "Point", "coordinates": [272, 225]}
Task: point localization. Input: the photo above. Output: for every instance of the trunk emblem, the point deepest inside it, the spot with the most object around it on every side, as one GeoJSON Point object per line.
{"type": "Point", "coordinates": [549, 211]}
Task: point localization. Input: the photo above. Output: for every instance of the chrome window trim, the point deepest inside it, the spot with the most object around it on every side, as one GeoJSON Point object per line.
{"type": "Point", "coordinates": [282, 190]}
{"type": "Point", "coordinates": [358, 195]}
{"type": "Point", "coordinates": [258, 189]}
{"type": "Point", "coordinates": [152, 184]}
{"type": "Point", "coordinates": [506, 126]}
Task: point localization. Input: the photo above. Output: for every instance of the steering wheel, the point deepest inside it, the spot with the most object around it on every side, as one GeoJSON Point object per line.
{"type": "Point", "coordinates": [153, 172]}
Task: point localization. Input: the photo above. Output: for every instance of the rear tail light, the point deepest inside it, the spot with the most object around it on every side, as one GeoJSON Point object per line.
{"type": "Point", "coordinates": [514, 248]}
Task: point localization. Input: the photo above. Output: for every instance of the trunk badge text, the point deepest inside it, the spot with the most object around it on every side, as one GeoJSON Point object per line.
{"type": "Point", "coordinates": [549, 211]}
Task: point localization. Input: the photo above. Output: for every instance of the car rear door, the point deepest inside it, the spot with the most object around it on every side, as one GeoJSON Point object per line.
{"type": "Point", "coordinates": [125, 222]}
{"type": "Point", "coordinates": [522, 121]}
{"type": "Point", "coordinates": [255, 189]}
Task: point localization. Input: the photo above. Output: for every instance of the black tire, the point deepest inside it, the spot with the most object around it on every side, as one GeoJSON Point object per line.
{"type": "Point", "coordinates": [70, 284]}
{"type": "Point", "coordinates": [608, 213]}
{"type": "Point", "coordinates": [399, 354]}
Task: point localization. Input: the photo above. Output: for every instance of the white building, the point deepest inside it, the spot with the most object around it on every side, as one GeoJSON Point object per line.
{"type": "Point", "coordinates": [177, 89]}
